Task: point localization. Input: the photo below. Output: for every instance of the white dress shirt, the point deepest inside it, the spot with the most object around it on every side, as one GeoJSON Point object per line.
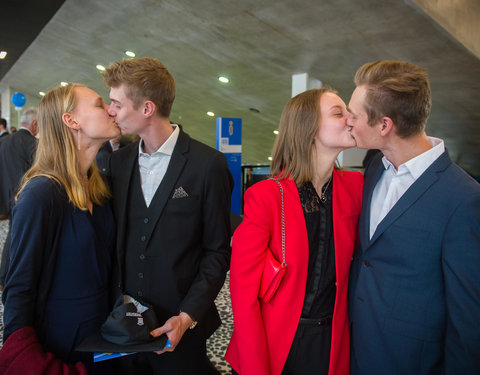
{"type": "Point", "coordinates": [394, 183]}
{"type": "Point", "coordinates": [153, 167]}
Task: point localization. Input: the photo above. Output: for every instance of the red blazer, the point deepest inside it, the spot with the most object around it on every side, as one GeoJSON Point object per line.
{"type": "Point", "coordinates": [23, 354]}
{"type": "Point", "coordinates": [264, 333]}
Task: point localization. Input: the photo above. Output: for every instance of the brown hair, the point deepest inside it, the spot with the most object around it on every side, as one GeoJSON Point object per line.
{"type": "Point", "coordinates": [145, 78]}
{"type": "Point", "coordinates": [56, 155]}
{"type": "Point", "coordinates": [293, 148]}
{"type": "Point", "coordinates": [399, 90]}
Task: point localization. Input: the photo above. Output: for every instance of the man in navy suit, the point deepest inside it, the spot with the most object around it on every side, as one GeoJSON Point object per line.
{"type": "Point", "coordinates": [415, 279]}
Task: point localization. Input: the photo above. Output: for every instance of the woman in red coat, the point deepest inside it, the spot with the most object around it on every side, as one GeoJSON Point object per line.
{"type": "Point", "coordinates": [303, 329]}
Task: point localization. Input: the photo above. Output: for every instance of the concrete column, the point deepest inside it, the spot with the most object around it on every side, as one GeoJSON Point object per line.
{"type": "Point", "coordinates": [302, 82]}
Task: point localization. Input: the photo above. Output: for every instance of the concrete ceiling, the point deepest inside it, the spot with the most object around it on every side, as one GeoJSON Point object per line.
{"type": "Point", "coordinates": [258, 44]}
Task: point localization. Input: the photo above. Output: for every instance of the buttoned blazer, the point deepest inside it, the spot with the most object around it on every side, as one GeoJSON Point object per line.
{"type": "Point", "coordinates": [16, 156]}
{"type": "Point", "coordinates": [264, 332]}
{"type": "Point", "coordinates": [188, 239]}
{"type": "Point", "coordinates": [415, 286]}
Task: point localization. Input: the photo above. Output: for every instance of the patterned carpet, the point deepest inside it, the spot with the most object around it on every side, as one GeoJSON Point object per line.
{"type": "Point", "coordinates": [216, 345]}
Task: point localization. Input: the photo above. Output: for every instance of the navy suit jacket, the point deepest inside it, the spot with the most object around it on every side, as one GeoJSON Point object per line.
{"type": "Point", "coordinates": [415, 285]}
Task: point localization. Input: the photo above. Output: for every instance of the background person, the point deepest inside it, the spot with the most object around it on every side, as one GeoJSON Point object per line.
{"type": "Point", "coordinates": [16, 157]}
{"type": "Point", "coordinates": [415, 280]}
{"type": "Point", "coordinates": [62, 229]}
{"type": "Point", "coordinates": [304, 328]}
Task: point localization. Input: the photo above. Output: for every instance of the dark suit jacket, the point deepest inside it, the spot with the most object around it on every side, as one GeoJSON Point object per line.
{"type": "Point", "coordinates": [415, 286]}
{"type": "Point", "coordinates": [188, 247]}
{"type": "Point", "coordinates": [16, 156]}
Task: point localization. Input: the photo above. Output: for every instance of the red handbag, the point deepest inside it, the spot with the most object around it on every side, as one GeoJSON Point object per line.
{"type": "Point", "coordinates": [273, 270]}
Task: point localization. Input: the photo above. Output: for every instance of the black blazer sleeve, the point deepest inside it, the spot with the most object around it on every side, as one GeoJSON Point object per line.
{"type": "Point", "coordinates": [215, 260]}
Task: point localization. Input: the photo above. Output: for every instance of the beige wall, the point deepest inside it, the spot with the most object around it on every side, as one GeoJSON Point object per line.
{"type": "Point", "coordinates": [459, 17]}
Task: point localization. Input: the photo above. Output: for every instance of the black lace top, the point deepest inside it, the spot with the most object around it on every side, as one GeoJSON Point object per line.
{"type": "Point", "coordinates": [321, 286]}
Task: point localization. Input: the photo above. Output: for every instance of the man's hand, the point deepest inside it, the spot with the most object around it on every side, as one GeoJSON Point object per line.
{"type": "Point", "coordinates": [174, 327]}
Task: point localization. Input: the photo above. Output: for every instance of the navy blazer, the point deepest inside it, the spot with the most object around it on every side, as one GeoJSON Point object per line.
{"type": "Point", "coordinates": [415, 285]}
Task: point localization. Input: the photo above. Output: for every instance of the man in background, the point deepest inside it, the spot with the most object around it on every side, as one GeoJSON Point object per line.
{"type": "Point", "coordinates": [16, 157]}
{"type": "Point", "coordinates": [3, 128]}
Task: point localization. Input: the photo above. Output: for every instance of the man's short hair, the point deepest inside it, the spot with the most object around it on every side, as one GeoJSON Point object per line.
{"type": "Point", "coordinates": [144, 78]}
{"type": "Point", "coordinates": [3, 123]}
{"type": "Point", "coordinates": [399, 90]}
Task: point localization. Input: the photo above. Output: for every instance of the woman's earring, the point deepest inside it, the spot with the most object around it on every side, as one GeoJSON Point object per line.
{"type": "Point", "coordinates": [78, 139]}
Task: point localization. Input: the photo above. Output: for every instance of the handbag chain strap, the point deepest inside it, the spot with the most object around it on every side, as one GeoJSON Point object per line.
{"type": "Point", "coordinates": [284, 263]}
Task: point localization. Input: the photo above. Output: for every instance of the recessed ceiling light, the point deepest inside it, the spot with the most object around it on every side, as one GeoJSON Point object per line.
{"type": "Point", "coordinates": [270, 158]}
{"type": "Point", "coordinates": [223, 79]}
{"type": "Point", "coordinates": [130, 53]}
{"type": "Point", "coordinates": [41, 93]}
{"type": "Point", "coordinates": [211, 114]}
{"type": "Point", "coordinates": [275, 132]}
{"type": "Point", "coordinates": [100, 67]}
{"type": "Point", "coordinates": [3, 54]}
{"type": "Point", "coordinates": [64, 83]}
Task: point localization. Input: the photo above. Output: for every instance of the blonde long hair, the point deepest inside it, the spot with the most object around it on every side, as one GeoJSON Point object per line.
{"type": "Point", "coordinates": [56, 156]}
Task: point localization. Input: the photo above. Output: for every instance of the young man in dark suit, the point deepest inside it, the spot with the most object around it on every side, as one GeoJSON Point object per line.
{"type": "Point", "coordinates": [16, 157]}
{"type": "Point", "coordinates": [171, 200]}
{"type": "Point", "coordinates": [3, 128]}
{"type": "Point", "coordinates": [415, 280]}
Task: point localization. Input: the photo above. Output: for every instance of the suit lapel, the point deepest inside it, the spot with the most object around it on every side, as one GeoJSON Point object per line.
{"type": "Point", "coordinates": [370, 182]}
{"type": "Point", "coordinates": [175, 167]}
{"type": "Point", "coordinates": [121, 189]}
{"type": "Point", "coordinates": [414, 192]}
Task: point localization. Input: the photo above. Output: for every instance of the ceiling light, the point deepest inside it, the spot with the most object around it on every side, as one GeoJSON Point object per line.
{"type": "Point", "coordinates": [64, 83]}
{"type": "Point", "coordinates": [130, 53]}
{"type": "Point", "coordinates": [41, 93]}
{"type": "Point", "coordinates": [100, 67]}
{"type": "Point", "coordinates": [211, 114]}
{"type": "Point", "coordinates": [270, 158]}
{"type": "Point", "coordinates": [275, 132]}
{"type": "Point", "coordinates": [223, 79]}
{"type": "Point", "coordinates": [3, 54]}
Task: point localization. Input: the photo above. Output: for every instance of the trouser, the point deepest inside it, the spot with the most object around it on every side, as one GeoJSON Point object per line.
{"type": "Point", "coordinates": [188, 358]}
{"type": "Point", "coordinates": [310, 351]}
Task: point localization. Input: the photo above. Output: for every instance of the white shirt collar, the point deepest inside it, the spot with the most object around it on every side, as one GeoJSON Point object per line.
{"type": "Point", "coordinates": [167, 147]}
{"type": "Point", "coordinates": [417, 165]}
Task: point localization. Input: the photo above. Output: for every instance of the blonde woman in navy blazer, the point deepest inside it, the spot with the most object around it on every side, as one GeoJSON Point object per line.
{"type": "Point", "coordinates": [271, 338]}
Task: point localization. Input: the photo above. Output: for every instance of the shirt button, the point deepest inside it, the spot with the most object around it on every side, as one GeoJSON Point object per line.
{"type": "Point", "coordinates": [146, 220]}
{"type": "Point", "coordinates": [140, 294]}
{"type": "Point", "coordinates": [366, 263]}
{"type": "Point", "coordinates": [142, 256]}
{"type": "Point", "coordinates": [140, 275]}
{"type": "Point", "coordinates": [143, 238]}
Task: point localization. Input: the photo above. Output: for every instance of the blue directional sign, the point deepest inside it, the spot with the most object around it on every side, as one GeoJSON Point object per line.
{"type": "Point", "coordinates": [229, 141]}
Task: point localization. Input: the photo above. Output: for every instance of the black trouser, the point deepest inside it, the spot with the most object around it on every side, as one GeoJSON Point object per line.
{"type": "Point", "coordinates": [310, 351]}
{"type": "Point", "coordinates": [188, 358]}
